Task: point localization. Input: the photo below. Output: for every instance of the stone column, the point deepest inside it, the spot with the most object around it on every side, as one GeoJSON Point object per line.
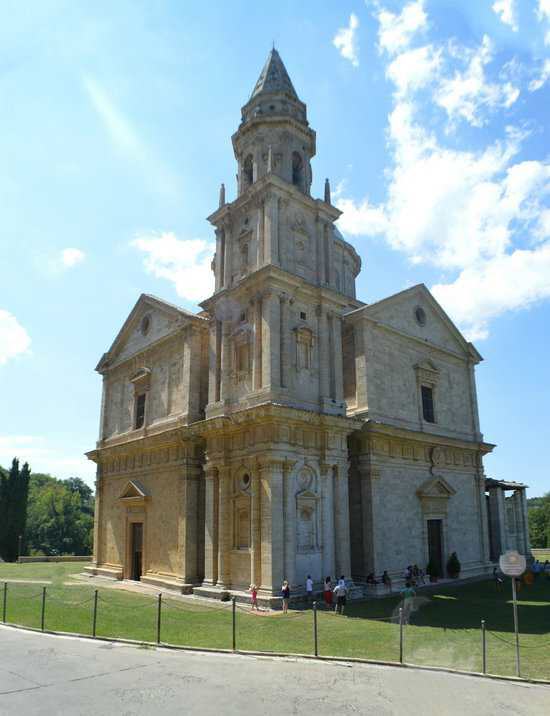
{"type": "Point", "coordinates": [190, 507]}
{"type": "Point", "coordinates": [523, 500]}
{"type": "Point", "coordinates": [360, 365]}
{"type": "Point", "coordinates": [479, 481]}
{"type": "Point", "coordinates": [211, 483]}
{"type": "Point", "coordinates": [192, 373]}
{"type": "Point", "coordinates": [284, 341]}
{"type": "Point", "coordinates": [271, 224]}
{"type": "Point", "coordinates": [327, 513]}
{"type": "Point", "coordinates": [338, 364]}
{"type": "Point", "coordinates": [98, 517]}
{"type": "Point", "coordinates": [497, 521]}
{"type": "Point", "coordinates": [212, 361]}
{"type": "Point", "coordinates": [290, 525]}
{"type": "Point", "coordinates": [341, 520]}
{"type": "Point", "coordinates": [227, 270]}
{"type": "Point", "coordinates": [219, 259]}
{"type": "Point", "coordinates": [225, 387]}
{"type": "Point", "coordinates": [257, 363]}
{"type": "Point", "coordinates": [271, 367]}
{"type": "Point", "coordinates": [255, 528]}
{"type": "Point", "coordinates": [320, 252]}
{"type": "Point", "coordinates": [272, 526]}
{"type": "Point", "coordinates": [260, 238]}
{"type": "Point", "coordinates": [224, 527]}
{"type": "Point", "coordinates": [102, 413]}
{"type": "Point", "coordinates": [323, 353]}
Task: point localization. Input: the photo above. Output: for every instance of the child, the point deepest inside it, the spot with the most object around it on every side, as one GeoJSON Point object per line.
{"type": "Point", "coordinates": [253, 589]}
{"type": "Point", "coordinates": [309, 589]}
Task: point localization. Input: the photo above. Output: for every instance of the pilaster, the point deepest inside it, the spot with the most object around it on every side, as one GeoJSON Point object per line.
{"type": "Point", "coordinates": [211, 527]}
{"type": "Point", "coordinates": [341, 519]}
{"type": "Point", "coordinates": [272, 528]}
{"type": "Point", "coordinates": [224, 527]}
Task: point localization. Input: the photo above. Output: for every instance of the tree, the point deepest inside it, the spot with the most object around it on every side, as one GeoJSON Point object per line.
{"type": "Point", "coordinates": [14, 490]}
{"type": "Point", "coordinates": [539, 522]}
{"type": "Point", "coordinates": [60, 516]}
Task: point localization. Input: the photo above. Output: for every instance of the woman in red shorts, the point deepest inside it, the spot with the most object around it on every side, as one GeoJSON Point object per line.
{"type": "Point", "coordinates": [327, 593]}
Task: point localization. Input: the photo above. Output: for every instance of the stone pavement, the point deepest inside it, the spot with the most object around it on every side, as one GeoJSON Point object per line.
{"type": "Point", "coordinates": [44, 674]}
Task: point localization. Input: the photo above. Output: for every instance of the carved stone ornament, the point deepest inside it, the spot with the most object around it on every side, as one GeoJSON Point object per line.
{"type": "Point", "coordinates": [437, 456]}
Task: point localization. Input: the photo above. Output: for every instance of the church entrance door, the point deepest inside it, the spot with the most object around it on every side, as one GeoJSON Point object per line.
{"type": "Point", "coordinates": [137, 549]}
{"type": "Point", "coordinates": [435, 544]}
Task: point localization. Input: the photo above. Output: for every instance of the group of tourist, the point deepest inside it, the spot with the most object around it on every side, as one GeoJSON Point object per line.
{"type": "Point", "coordinates": [334, 595]}
{"type": "Point", "coordinates": [527, 578]}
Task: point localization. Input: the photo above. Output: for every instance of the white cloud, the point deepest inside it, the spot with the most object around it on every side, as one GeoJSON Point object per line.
{"type": "Point", "coordinates": [184, 262]}
{"type": "Point", "coordinates": [481, 216]}
{"type": "Point", "coordinates": [507, 11]}
{"type": "Point", "coordinates": [128, 142]}
{"type": "Point", "coordinates": [507, 282]}
{"type": "Point", "coordinates": [71, 257]}
{"type": "Point", "coordinates": [543, 10]}
{"type": "Point", "coordinates": [467, 93]}
{"type": "Point", "coordinates": [542, 79]}
{"type": "Point", "coordinates": [345, 41]}
{"type": "Point", "coordinates": [42, 456]}
{"type": "Point", "coordinates": [395, 31]}
{"type": "Point", "coordinates": [14, 339]}
{"type": "Point", "coordinates": [413, 69]}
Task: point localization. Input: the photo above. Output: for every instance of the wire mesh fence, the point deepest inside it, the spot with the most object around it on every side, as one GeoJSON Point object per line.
{"type": "Point", "coordinates": [315, 631]}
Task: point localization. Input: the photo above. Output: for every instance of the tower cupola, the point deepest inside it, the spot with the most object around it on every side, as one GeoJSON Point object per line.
{"type": "Point", "coordinates": [274, 135]}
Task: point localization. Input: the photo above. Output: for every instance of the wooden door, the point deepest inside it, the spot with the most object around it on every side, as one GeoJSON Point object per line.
{"type": "Point", "coordinates": [137, 549]}
{"type": "Point", "coordinates": [435, 544]}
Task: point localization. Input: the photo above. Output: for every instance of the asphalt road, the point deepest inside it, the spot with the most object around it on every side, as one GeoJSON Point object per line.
{"type": "Point", "coordinates": [43, 674]}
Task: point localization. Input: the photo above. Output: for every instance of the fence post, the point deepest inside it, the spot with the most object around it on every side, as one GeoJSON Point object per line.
{"type": "Point", "coordinates": [516, 628]}
{"type": "Point", "coordinates": [159, 607]}
{"type": "Point", "coordinates": [5, 602]}
{"type": "Point", "coordinates": [42, 616]}
{"type": "Point", "coordinates": [94, 616]}
{"type": "Point", "coordinates": [315, 641]}
{"type": "Point", "coordinates": [400, 635]}
{"type": "Point", "coordinates": [234, 622]}
{"type": "Point", "coordinates": [483, 648]}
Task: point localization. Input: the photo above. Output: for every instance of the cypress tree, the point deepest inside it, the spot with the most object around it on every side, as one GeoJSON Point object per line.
{"type": "Point", "coordinates": [14, 492]}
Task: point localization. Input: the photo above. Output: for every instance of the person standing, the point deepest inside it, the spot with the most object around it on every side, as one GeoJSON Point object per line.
{"type": "Point", "coordinates": [285, 591]}
{"type": "Point", "coordinates": [340, 594]}
{"type": "Point", "coordinates": [327, 593]}
{"type": "Point", "coordinates": [253, 589]}
{"type": "Point", "coordinates": [309, 589]}
{"type": "Point", "coordinates": [386, 580]}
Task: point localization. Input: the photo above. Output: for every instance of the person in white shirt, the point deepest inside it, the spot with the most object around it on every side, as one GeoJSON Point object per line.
{"type": "Point", "coordinates": [309, 588]}
{"type": "Point", "coordinates": [340, 594]}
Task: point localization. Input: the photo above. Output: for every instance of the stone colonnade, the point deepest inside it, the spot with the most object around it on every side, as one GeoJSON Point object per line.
{"type": "Point", "coordinates": [508, 526]}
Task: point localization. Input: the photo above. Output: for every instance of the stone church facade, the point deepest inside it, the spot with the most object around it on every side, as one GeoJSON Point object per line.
{"type": "Point", "coordinates": [288, 428]}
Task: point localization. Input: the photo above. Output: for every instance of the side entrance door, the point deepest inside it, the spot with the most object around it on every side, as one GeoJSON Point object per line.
{"type": "Point", "coordinates": [137, 549]}
{"type": "Point", "coordinates": [435, 544]}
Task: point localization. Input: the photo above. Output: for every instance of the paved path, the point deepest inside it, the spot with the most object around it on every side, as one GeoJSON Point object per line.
{"type": "Point", "coordinates": [43, 674]}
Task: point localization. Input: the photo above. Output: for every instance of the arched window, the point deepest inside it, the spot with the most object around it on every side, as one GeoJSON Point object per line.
{"type": "Point", "coordinates": [297, 170]}
{"type": "Point", "coordinates": [248, 170]}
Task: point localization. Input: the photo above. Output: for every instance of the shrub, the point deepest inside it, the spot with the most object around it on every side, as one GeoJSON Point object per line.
{"type": "Point", "coordinates": [453, 565]}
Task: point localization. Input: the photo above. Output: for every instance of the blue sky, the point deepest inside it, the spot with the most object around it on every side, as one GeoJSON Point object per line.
{"type": "Point", "coordinates": [432, 124]}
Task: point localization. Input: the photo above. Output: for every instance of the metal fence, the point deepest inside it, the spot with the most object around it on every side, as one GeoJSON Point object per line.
{"type": "Point", "coordinates": [172, 621]}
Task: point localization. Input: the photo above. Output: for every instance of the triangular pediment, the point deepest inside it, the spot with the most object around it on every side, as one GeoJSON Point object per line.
{"type": "Point", "coordinates": [150, 320]}
{"type": "Point", "coordinates": [134, 490]}
{"type": "Point", "coordinates": [416, 312]}
{"type": "Point", "coordinates": [436, 487]}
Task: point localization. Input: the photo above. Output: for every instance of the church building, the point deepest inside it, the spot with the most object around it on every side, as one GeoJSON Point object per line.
{"type": "Point", "coordinates": [288, 428]}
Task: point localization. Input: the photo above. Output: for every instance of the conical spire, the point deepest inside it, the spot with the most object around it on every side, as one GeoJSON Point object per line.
{"type": "Point", "coordinates": [274, 77]}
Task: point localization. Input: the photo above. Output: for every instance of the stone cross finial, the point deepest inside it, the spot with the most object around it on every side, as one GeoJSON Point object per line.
{"type": "Point", "coordinates": [327, 191]}
{"type": "Point", "coordinates": [222, 195]}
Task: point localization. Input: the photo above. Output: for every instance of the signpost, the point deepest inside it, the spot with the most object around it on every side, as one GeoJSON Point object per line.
{"type": "Point", "coordinates": [513, 564]}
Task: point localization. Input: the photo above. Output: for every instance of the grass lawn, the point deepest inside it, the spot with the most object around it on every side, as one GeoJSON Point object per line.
{"type": "Point", "coordinates": [444, 629]}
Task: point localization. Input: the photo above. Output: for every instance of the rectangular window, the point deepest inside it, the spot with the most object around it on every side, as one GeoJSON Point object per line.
{"type": "Point", "coordinates": [428, 404]}
{"type": "Point", "coordinates": [140, 410]}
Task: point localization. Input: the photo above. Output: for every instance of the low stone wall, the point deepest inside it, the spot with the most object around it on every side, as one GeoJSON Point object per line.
{"type": "Point", "coordinates": [59, 558]}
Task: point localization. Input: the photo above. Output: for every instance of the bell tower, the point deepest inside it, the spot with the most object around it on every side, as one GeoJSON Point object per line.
{"type": "Point", "coordinates": [276, 503]}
